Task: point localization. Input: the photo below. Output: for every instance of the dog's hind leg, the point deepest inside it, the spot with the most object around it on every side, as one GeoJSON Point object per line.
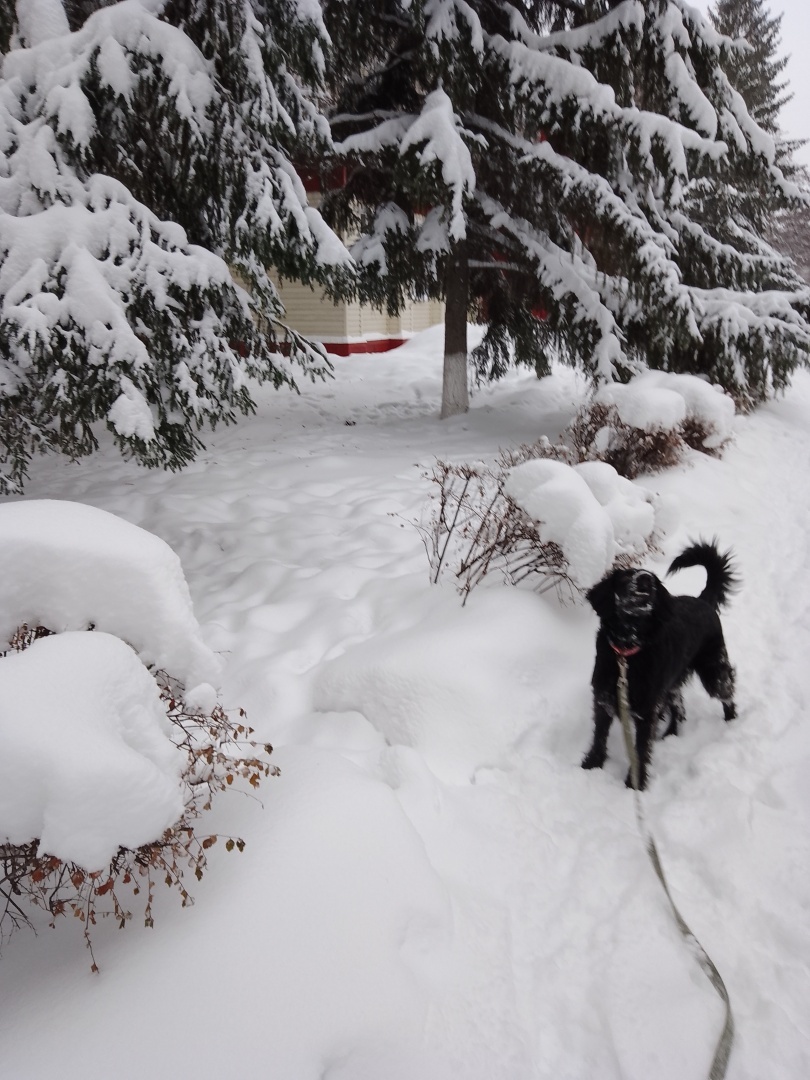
{"type": "Point", "coordinates": [674, 710]}
{"type": "Point", "coordinates": [717, 675]}
{"type": "Point", "coordinates": [603, 713]}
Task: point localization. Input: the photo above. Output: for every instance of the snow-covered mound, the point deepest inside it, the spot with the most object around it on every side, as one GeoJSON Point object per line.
{"type": "Point", "coordinates": [72, 567]}
{"type": "Point", "coordinates": [589, 510]}
{"type": "Point", "coordinates": [86, 764]}
{"type": "Point", "coordinates": [420, 687]}
{"type": "Point", "coordinates": [662, 401]}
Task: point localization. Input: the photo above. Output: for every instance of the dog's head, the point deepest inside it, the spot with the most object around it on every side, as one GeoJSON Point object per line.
{"type": "Point", "coordinates": [627, 602]}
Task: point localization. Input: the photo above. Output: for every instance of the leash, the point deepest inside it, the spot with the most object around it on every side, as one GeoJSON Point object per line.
{"type": "Point", "coordinates": [724, 1044]}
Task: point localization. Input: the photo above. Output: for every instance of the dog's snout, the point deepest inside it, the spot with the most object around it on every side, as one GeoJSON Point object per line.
{"type": "Point", "coordinates": [642, 583]}
{"type": "Point", "coordinates": [639, 585]}
{"type": "Point", "coordinates": [635, 599]}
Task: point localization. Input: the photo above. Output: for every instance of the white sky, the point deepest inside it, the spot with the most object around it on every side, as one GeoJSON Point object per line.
{"type": "Point", "coordinates": [796, 45]}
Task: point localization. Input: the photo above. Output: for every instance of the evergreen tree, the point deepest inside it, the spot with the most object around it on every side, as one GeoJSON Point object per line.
{"type": "Point", "coordinates": [754, 67]}
{"type": "Point", "coordinates": [147, 183]}
{"type": "Point", "coordinates": [756, 71]}
{"type": "Point", "coordinates": [535, 161]}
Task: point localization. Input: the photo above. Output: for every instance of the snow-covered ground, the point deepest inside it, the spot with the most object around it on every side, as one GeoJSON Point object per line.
{"type": "Point", "coordinates": [433, 889]}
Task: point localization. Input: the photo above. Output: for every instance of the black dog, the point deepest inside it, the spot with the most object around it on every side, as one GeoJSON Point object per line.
{"type": "Point", "coordinates": [665, 639]}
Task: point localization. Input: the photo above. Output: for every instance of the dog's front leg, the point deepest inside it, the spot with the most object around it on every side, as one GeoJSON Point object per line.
{"type": "Point", "coordinates": [603, 713]}
{"type": "Point", "coordinates": [673, 710]}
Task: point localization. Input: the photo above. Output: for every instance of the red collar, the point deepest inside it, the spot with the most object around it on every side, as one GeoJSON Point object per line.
{"type": "Point", "coordinates": [625, 652]}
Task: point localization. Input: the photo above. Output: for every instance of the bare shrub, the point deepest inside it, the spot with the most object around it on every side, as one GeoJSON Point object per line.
{"type": "Point", "coordinates": [699, 436]}
{"type": "Point", "coordinates": [543, 448]}
{"type": "Point", "coordinates": [220, 755]}
{"type": "Point", "coordinates": [598, 434]}
{"type": "Point", "coordinates": [472, 527]}
{"type": "Point", "coordinates": [475, 528]}
{"type": "Point", "coordinates": [24, 636]}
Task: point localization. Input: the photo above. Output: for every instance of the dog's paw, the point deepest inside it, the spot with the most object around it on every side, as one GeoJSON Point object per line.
{"type": "Point", "coordinates": [593, 760]}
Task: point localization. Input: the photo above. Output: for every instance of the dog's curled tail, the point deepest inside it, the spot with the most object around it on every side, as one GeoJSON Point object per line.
{"type": "Point", "coordinates": [721, 579]}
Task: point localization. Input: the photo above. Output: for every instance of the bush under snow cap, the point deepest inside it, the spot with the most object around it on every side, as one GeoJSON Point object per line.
{"type": "Point", "coordinates": [87, 764]}
{"type": "Point", "coordinates": [73, 566]}
{"type": "Point", "coordinates": [663, 401]}
{"type": "Point", "coordinates": [591, 512]}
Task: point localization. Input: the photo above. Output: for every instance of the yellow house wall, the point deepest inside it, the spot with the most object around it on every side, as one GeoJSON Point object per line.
{"type": "Point", "coordinates": [312, 314]}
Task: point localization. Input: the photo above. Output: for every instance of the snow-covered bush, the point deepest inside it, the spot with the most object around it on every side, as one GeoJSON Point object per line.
{"type": "Point", "coordinates": [642, 426]}
{"type": "Point", "coordinates": [104, 763]}
{"type": "Point", "coordinates": [76, 566]}
{"type": "Point", "coordinates": [564, 513]}
{"type": "Point", "coordinates": [649, 423]}
{"type": "Point", "coordinates": [543, 519]}
{"type": "Point", "coordinates": [594, 515]}
{"type": "Point", "coordinates": [87, 762]}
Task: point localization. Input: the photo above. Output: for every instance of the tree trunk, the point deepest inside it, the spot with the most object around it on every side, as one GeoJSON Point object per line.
{"type": "Point", "coordinates": [455, 392]}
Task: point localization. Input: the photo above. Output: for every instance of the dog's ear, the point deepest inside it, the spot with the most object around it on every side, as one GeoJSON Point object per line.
{"type": "Point", "coordinates": [601, 597]}
{"type": "Point", "coordinates": [663, 598]}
